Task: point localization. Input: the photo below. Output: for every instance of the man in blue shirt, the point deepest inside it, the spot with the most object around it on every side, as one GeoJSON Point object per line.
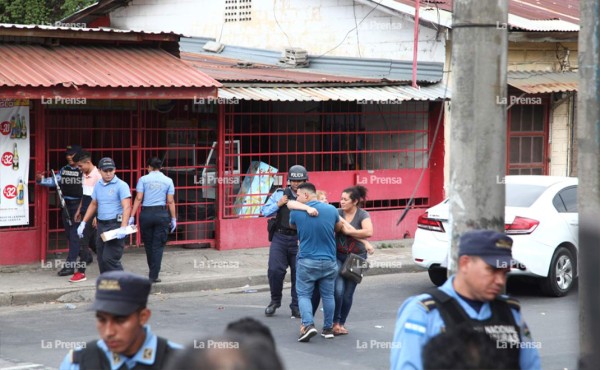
{"type": "Point", "coordinates": [469, 298]}
{"type": "Point", "coordinates": [122, 316]}
{"type": "Point", "coordinates": [111, 197]}
{"type": "Point", "coordinates": [316, 260]}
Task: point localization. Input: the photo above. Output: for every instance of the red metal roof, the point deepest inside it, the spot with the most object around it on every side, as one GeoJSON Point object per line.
{"type": "Point", "coordinates": [228, 70]}
{"type": "Point", "coordinates": [85, 66]}
{"type": "Point", "coordinates": [566, 10]}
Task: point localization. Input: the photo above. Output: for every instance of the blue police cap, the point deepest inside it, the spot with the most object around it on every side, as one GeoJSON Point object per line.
{"type": "Point", "coordinates": [106, 163]}
{"type": "Point", "coordinates": [121, 293]}
{"type": "Point", "coordinates": [491, 246]}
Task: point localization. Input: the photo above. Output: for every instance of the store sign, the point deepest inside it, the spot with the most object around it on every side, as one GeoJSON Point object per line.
{"type": "Point", "coordinates": [14, 161]}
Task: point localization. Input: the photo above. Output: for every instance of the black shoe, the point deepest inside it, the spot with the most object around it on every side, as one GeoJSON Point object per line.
{"type": "Point", "coordinates": [327, 333]}
{"type": "Point", "coordinates": [306, 333]}
{"type": "Point", "coordinates": [296, 313]}
{"type": "Point", "coordinates": [90, 261]}
{"type": "Point", "coordinates": [271, 308]}
{"type": "Point", "coordinates": [66, 272]}
{"type": "Point", "coordinates": [157, 280]}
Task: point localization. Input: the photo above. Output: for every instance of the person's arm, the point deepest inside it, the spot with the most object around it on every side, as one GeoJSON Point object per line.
{"type": "Point", "coordinates": [139, 196]}
{"type": "Point", "coordinates": [529, 357]}
{"type": "Point", "coordinates": [66, 364]}
{"type": "Point", "coordinates": [47, 181]}
{"type": "Point", "coordinates": [126, 204]}
{"type": "Point", "coordinates": [272, 205]}
{"type": "Point", "coordinates": [91, 211]}
{"type": "Point", "coordinates": [299, 206]}
{"type": "Point", "coordinates": [366, 230]}
{"type": "Point", "coordinates": [410, 336]}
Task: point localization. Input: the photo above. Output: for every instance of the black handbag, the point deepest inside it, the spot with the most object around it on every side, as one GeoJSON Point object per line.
{"type": "Point", "coordinates": [354, 267]}
{"type": "Point", "coordinates": [271, 227]}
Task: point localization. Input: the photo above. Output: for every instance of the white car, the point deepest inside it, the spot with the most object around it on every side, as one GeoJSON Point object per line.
{"type": "Point", "coordinates": [540, 216]}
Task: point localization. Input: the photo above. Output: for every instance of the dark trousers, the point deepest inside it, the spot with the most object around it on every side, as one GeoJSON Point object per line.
{"type": "Point", "coordinates": [109, 253]}
{"type": "Point", "coordinates": [154, 225]}
{"type": "Point", "coordinates": [85, 254]}
{"type": "Point", "coordinates": [282, 254]}
{"type": "Point", "coordinates": [71, 231]}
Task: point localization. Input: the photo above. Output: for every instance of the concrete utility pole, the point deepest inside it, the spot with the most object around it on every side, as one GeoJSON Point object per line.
{"type": "Point", "coordinates": [478, 112]}
{"type": "Point", "coordinates": [588, 137]}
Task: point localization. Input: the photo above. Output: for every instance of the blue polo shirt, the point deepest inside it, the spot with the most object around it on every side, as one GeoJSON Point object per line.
{"type": "Point", "coordinates": [155, 186]}
{"type": "Point", "coordinates": [316, 234]}
{"type": "Point", "coordinates": [109, 196]}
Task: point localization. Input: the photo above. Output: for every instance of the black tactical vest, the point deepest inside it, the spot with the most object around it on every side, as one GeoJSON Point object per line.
{"type": "Point", "coordinates": [283, 213]}
{"type": "Point", "coordinates": [93, 358]}
{"type": "Point", "coordinates": [500, 327]}
{"type": "Point", "coordinates": [71, 182]}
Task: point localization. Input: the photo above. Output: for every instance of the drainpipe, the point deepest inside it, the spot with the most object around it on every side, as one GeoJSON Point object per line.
{"type": "Point", "coordinates": [416, 44]}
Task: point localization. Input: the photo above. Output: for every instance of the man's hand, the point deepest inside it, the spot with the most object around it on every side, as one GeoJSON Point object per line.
{"type": "Point", "coordinates": [131, 220]}
{"type": "Point", "coordinates": [39, 176]}
{"type": "Point", "coordinates": [312, 211]}
{"type": "Point", "coordinates": [283, 201]}
{"type": "Point", "coordinates": [173, 224]}
{"type": "Point", "coordinates": [121, 233]}
{"type": "Point", "coordinates": [80, 229]}
{"type": "Point", "coordinates": [77, 216]}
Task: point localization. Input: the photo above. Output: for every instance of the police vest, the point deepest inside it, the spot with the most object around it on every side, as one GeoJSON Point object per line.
{"type": "Point", "coordinates": [283, 214]}
{"type": "Point", "coordinates": [71, 182]}
{"type": "Point", "coordinates": [500, 327]}
{"type": "Point", "coordinates": [93, 358]}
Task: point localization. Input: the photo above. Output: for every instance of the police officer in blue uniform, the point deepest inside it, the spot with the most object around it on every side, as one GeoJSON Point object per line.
{"type": "Point", "coordinates": [111, 197]}
{"type": "Point", "coordinates": [126, 340]}
{"type": "Point", "coordinates": [470, 298]}
{"type": "Point", "coordinates": [70, 179]}
{"type": "Point", "coordinates": [284, 246]}
{"type": "Point", "coordinates": [155, 194]}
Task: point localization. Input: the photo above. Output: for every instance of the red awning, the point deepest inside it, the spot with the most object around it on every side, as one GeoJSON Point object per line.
{"type": "Point", "coordinates": [96, 72]}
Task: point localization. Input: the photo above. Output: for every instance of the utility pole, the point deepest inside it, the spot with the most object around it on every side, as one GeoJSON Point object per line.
{"type": "Point", "coordinates": [588, 137]}
{"type": "Point", "coordinates": [478, 112]}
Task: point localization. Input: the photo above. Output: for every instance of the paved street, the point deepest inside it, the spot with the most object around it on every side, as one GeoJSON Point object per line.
{"type": "Point", "coordinates": [32, 334]}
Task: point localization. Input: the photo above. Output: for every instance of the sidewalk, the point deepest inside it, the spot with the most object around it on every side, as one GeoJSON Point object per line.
{"type": "Point", "coordinates": [183, 270]}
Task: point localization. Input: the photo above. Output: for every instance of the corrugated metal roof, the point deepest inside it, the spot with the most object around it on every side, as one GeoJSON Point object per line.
{"type": "Point", "coordinates": [537, 82]}
{"type": "Point", "coordinates": [362, 95]}
{"type": "Point", "coordinates": [560, 15]}
{"type": "Point", "coordinates": [228, 70]}
{"type": "Point", "coordinates": [82, 29]}
{"type": "Point", "coordinates": [391, 70]}
{"type": "Point", "coordinates": [38, 66]}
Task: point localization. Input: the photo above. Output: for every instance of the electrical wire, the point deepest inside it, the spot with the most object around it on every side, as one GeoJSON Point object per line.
{"type": "Point", "coordinates": [278, 25]}
{"type": "Point", "coordinates": [356, 28]}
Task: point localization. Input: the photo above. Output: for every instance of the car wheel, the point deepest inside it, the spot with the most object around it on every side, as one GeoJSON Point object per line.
{"type": "Point", "coordinates": [438, 275]}
{"type": "Point", "coordinates": [561, 275]}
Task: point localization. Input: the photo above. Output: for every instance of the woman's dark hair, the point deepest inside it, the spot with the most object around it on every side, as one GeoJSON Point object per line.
{"type": "Point", "coordinates": [357, 193]}
{"type": "Point", "coordinates": [155, 163]}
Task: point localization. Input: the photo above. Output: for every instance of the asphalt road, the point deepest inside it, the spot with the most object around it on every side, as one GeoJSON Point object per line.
{"type": "Point", "coordinates": [40, 334]}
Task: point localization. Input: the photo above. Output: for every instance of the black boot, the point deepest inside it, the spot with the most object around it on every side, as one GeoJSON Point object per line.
{"type": "Point", "coordinates": [271, 308]}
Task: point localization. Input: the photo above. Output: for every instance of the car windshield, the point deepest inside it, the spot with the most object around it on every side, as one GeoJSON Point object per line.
{"type": "Point", "coordinates": [522, 195]}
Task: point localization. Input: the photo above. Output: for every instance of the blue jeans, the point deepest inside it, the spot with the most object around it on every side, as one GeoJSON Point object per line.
{"type": "Point", "coordinates": [344, 292]}
{"type": "Point", "coordinates": [308, 273]}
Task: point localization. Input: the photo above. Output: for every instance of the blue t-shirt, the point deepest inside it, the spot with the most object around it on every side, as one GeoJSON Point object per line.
{"type": "Point", "coordinates": [316, 234]}
{"type": "Point", "coordinates": [109, 196]}
{"type": "Point", "coordinates": [155, 186]}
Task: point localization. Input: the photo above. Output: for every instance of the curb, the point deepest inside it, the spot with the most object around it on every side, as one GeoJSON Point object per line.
{"type": "Point", "coordinates": [85, 294]}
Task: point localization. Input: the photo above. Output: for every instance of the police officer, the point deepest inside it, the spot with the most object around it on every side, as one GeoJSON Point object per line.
{"type": "Point", "coordinates": [284, 246]}
{"type": "Point", "coordinates": [121, 319]}
{"type": "Point", "coordinates": [112, 199]}
{"type": "Point", "coordinates": [470, 298]}
{"type": "Point", "coordinates": [70, 179]}
{"type": "Point", "coordinates": [155, 194]}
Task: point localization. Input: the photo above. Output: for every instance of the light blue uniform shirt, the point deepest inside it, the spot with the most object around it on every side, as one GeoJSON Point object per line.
{"type": "Point", "coordinates": [155, 186]}
{"type": "Point", "coordinates": [109, 196]}
{"type": "Point", "coordinates": [415, 326]}
{"type": "Point", "coordinates": [145, 355]}
{"type": "Point", "coordinates": [270, 208]}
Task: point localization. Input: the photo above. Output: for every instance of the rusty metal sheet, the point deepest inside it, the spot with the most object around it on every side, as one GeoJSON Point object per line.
{"type": "Point", "coordinates": [538, 82]}
{"type": "Point", "coordinates": [95, 66]}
